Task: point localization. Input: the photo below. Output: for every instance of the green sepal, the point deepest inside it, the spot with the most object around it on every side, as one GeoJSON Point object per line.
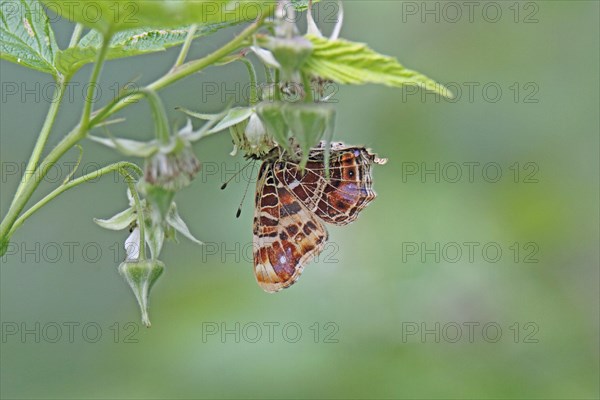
{"type": "Point", "coordinates": [290, 53]}
{"type": "Point", "coordinates": [271, 115]}
{"type": "Point", "coordinates": [308, 124]}
{"type": "Point", "coordinates": [157, 197]}
{"type": "Point", "coordinates": [176, 223]}
{"type": "Point", "coordinates": [119, 221]}
{"type": "Point", "coordinates": [141, 277]}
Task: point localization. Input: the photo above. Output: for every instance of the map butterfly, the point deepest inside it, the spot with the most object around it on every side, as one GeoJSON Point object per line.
{"type": "Point", "coordinates": [291, 206]}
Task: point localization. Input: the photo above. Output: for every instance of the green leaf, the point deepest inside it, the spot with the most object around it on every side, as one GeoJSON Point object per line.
{"type": "Point", "coordinates": [127, 43]}
{"type": "Point", "coordinates": [113, 16]}
{"type": "Point", "coordinates": [26, 36]}
{"type": "Point", "coordinates": [354, 63]}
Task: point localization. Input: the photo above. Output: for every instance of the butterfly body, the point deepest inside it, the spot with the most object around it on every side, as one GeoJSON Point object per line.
{"type": "Point", "coordinates": [291, 206]}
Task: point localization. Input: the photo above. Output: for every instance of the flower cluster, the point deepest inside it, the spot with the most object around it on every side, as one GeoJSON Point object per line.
{"type": "Point", "coordinates": [170, 165]}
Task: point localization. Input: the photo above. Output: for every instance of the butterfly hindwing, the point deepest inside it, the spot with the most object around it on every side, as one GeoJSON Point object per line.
{"type": "Point", "coordinates": [286, 234]}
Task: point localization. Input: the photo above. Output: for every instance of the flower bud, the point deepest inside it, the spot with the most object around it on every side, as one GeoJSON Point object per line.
{"type": "Point", "coordinates": [290, 54]}
{"type": "Point", "coordinates": [308, 124]}
{"type": "Point", "coordinates": [257, 136]}
{"type": "Point", "coordinates": [141, 276]}
{"type": "Point", "coordinates": [173, 169]}
{"type": "Point", "coordinates": [272, 117]}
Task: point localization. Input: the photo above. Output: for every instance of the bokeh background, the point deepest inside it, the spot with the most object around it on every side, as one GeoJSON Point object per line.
{"type": "Point", "coordinates": [369, 297]}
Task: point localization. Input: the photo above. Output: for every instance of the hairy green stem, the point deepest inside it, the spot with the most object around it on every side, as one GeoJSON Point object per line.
{"type": "Point", "coordinates": [76, 35]}
{"type": "Point", "coordinates": [161, 122]}
{"type": "Point", "coordinates": [120, 166]}
{"type": "Point", "coordinates": [186, 46]}
{"type": "Point", "coordinates": [43, 137]}
{"type": "Point", "coordinates": [87, 105]}
{"type": "Point", "coordinates": [188, 68]}
{"type": "Point", "coordinates": [253, 79]}
{"type": "Point", "coordinates": [308, 90]}
{"type": "Point", "coordinates": [268, 75]}
{"type": "Point", "coordinates": [276, 88]}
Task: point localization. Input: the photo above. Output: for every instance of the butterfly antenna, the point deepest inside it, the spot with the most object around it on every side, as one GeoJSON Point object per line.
{"type": "Point", "coordinates": [223, 186]}
{"type": "Point", "coordinates": [239, 210]}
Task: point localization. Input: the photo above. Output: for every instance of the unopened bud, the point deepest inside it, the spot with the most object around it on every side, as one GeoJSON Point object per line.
{"type": "Point", "coordinates": [290, 54]}
{"type": "Point", "coordinates": [172, 170]}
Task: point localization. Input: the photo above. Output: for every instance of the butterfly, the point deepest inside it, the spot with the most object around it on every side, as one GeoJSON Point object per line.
{"type": "Point", "coordinates": [291, 206]}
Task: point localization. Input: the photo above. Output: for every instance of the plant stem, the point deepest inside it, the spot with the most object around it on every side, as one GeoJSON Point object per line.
{"type": "Point", "coordinates": [161, 122]}
{"type": "Point", "coordinates": [43, 137]}
{"type": "Point", "coordinates": [87, 105]}
{"type": "Point", "coordinates": [76, 35]}
{"type": "Point", "coordinates": [268, 75]}
{"type": "Point", "coordinates": [71, 184]}
{"type": "Point", "coordinates": [276, 88]}
{"type": "Point", "coordinates": [253, 85]}
{"type": "Point", "coordinates": [186, 46]}
{"type": "Point", "coordinates": [306, 83]}
{"type": "Point", "coordinates": [187, 69]}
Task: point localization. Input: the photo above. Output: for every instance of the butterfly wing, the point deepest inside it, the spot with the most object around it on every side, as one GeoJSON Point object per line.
{"type": "Point", "coordinates": [339, 199]}
{"type": "Point", "coordinates": [286, 234]}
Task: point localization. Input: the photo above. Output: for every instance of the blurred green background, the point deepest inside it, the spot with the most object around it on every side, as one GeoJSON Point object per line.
{"type": "Point", "coordinates": [385, 309]}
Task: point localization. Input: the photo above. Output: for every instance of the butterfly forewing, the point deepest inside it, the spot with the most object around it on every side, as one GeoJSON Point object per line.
{"type": "Point", "coordinates": [339, 199]}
